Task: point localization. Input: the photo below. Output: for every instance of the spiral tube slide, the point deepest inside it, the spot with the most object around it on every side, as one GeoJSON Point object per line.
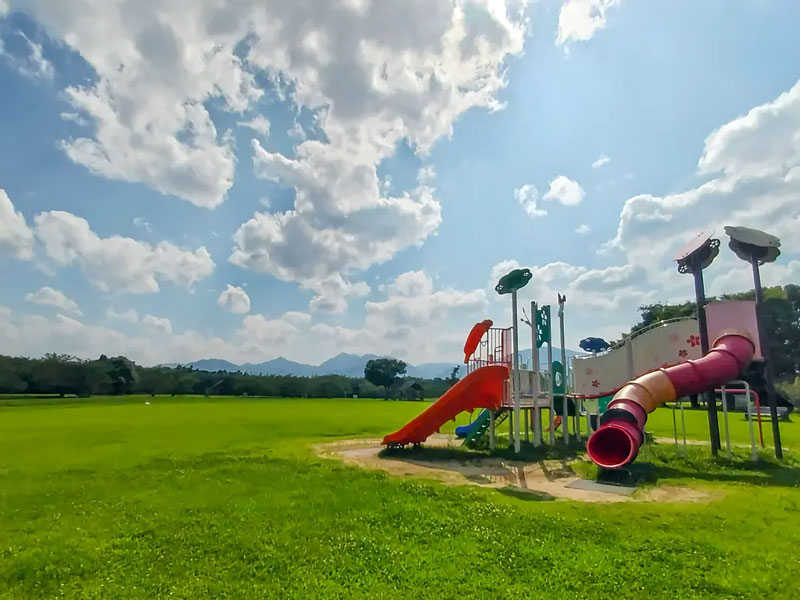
{"type": "Point", "coordinates": [616, 442]}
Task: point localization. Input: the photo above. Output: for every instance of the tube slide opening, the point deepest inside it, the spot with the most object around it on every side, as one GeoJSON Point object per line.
{"type": "Point", "coordinates": [613, 445]}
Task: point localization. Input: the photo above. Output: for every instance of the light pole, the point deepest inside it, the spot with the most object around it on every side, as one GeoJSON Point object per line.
{"type": "Point", "coordinates": [693, 257]}
{"type": "Point", "coordinates": [758, 248]}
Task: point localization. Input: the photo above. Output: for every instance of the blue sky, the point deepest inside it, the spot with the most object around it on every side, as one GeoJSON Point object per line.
{"type": "Point", "coordinates": [414, 152]}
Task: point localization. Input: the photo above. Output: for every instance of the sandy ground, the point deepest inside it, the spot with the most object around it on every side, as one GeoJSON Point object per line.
{"type": "Point", "coordinates": [547, 479]}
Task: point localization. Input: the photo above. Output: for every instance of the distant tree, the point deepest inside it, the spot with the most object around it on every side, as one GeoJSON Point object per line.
{"type": "Point", "coordinates": [384, 372]}
{"type": "Point", "coordinates": [11, 376]}
{"type": "Point", "coordinates": [453, 379]}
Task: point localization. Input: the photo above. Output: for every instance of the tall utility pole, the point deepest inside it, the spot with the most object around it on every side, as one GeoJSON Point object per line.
{"type": "Point", "coordinates": [759, 248]}
{"type": "Point", "coordinates": [693, 257]}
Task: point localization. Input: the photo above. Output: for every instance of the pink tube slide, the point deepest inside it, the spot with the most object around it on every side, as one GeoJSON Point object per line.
{"type": "Point", "coordinates": [616, 442]}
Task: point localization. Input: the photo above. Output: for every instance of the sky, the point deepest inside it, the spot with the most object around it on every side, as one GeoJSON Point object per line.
{"type": "Point", "coordinates": [247, 179]}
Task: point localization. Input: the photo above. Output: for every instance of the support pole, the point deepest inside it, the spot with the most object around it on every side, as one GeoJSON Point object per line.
{"type": "Point", "coordinates": [725, 418]}
{"type": "Point", "coordinates": [537, 381]}
{"type": "Point", "coordinates": [515, 369]}
{"type": "Point", "coordinates": [769, 375]}
{"type": "Point", "coordinates": [711, 403]}
{"type": "Point", "coordinates": [565, 421]}
{"type": "Point", "coordinates": [550, 388]}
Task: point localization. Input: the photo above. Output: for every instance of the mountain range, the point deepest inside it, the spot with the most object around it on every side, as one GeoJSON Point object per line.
{"type": "Point", "coordinates": [349, 365]}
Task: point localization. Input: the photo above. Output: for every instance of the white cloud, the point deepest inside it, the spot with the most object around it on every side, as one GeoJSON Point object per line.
{"type": "Point", "coordinates": [126, 315]}
{"type": "Point", "coordinates": [47, 296]}
{"type": "Point", "coordinates": [528, 197]}
{"type": "Point", "coordinates": [259, 124]}
{"type": "Point", "coordinates": [32, 63]}
{"type": "Point", "coordinates": [16, 238]}
{"type": "Point", "coordinates": [401, 324]}
{"type": "Point", "coordinates": [341, 222]}
{"type": "Point", "coordinates": [234, 299]}
{"type": "Point", "coordinates": [331, 293]}
{"type": "Point", "coordinates": [603, 159]}
{"type": "Point", "coordinates": [157, 323]}
{"type": "Point", "coordinates": [565, 191]}
{"type": "Point", "coordinates": [763, 143]}
{"type": "Point", "coordinates": [297, 318]}
{"type": "Point", "coordinates": [34, 335]}
{"type": "Point", "coordinates": [142, 224]}
{"type": "Point", "coordinates": [756, 188]}
{"type": "Point", "coordinates": [258, 331]}
{"type": "Point", "coordinates": [74, 118]}
{"type": "Point", "coordinates": [373, 74]}
{"type": "Point", "coordinates": [579, 20]}
{"type": "Point", "coordinates": [583, 229]}
{"type": "Point", "coordinates": [68, 324]}
{"type": "Point", "coordinates": [118, 264]}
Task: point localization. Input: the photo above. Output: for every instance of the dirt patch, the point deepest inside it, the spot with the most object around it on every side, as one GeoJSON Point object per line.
{"type": "Point", "coordinates": [547, 479]}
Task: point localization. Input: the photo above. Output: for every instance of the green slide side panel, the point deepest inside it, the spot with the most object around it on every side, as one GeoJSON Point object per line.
{"type": "Point", "coordinates": [479, 431]}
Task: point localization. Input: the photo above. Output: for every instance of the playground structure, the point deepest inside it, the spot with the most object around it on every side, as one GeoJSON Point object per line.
{"type": "Point", "coordinates": [618, 385]}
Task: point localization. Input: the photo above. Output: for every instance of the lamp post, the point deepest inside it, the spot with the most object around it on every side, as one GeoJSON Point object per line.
{"type": "Point", "coordinates": [759, 248]}
{"type": "Point", "coordinates": [693, 257]}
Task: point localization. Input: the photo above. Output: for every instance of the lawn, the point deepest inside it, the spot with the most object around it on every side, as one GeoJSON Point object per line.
{"type": "Point", "coordinates": [224, 498]}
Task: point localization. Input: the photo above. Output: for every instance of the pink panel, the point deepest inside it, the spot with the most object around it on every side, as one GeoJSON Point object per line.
{"type": "Point", "coordinates": [733, 316]}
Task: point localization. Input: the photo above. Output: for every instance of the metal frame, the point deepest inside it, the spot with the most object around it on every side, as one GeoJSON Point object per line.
{"type": "Point", "coordinates": [749, 394]}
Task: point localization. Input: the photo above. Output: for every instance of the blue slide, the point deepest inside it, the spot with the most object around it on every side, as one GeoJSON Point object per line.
{"type": "Point", "coordinates": [465, 430]}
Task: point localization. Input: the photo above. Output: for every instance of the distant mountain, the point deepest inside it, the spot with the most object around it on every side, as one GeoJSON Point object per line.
{"type": "Point", "coordinates": [434, 370]}
{"type": "Point", "coordinates": [525, 355]}
{"type": "Point", "coordinates": [349, 365]}
{"type": "Point", "coordinates": [278, 366]}
{"type": "Point", "coordinates": [214, 364]}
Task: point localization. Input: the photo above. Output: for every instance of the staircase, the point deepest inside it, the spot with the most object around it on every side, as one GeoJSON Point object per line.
{"type": "Point", "coordinates": [477, 438]}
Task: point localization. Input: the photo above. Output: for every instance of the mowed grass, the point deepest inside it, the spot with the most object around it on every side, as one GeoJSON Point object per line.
{"type": "Point", "coordinates": [191, 498]}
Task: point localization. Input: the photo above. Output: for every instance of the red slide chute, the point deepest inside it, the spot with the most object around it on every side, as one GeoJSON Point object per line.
{"type": "Point", "coordinates": [474, 337]}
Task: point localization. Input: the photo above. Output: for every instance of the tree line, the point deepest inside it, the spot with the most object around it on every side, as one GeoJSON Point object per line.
{"type": "Point", "coordinates": [63, 374]}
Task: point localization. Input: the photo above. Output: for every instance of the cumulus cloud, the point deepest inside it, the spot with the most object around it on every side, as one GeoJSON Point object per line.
{"type": "Point", "coordinates": [47, 296]}
{"type": "Point", "coordinates": [583, 229]}
{"type": "Point", "coordinates": [117, 264]}
{"type": "Point", "coordinates": [297, 318]}
{"type": "Point", "coordinates": [374, 73]}
{"type": "Point", "coordinates": [331, 293]}
{"type": "Point", "coordinates": [603, 159]}
{"type": "Point", "coordinates": [528, 198]}
{"type": "Point", "coordinates": [16, 238]}
{"type": "Point", "coordinates": [341, 221]}
{"type": "Point", "coordinates": [566, 191]}
{"type": "Point", "coordinates": [579, 20]}
{"type": "Point", "coordinates": [234, 299]}
{"type": "Point", "coordinates": [157, 323]}
{"type": "Point", "coordinates": [402, 323]}
{"type": "Point", "coordinates": [129, 315]}
{"type": "Point", "coordinates": [259, 331]}
{"type": "Point", "coordinates": [758, 188]}
{"type": "Point", "coordinates": [258, 124]}
{"type": "Point", "coordinates": [31, 61]}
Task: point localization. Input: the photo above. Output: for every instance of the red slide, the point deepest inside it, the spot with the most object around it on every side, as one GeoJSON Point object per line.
{"type": "Point", "coordinates": [617, 441]}
{"type": "Point", "coordinates": [483, 388]}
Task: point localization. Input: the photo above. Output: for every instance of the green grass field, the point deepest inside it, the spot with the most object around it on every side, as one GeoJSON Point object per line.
{"type": "Point", "coordinates": [224, 498]}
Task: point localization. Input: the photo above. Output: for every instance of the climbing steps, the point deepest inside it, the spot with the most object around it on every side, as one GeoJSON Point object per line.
{"type": "Point", "coordinates": [477, 435]}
